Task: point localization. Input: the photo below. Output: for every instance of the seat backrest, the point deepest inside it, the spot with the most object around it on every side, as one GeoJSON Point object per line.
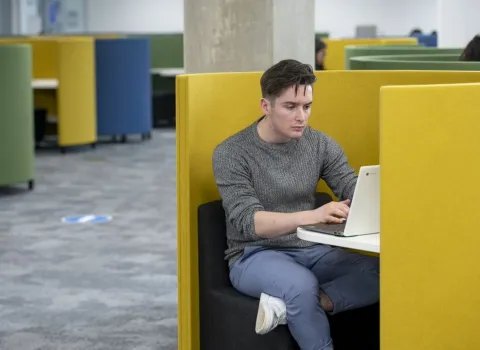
{"type": "Point", "coordinates": [212, 243]}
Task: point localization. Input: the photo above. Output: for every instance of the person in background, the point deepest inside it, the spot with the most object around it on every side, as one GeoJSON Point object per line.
{"type": "Point", "coordinates": [320, 53]}
{"type": "Point", "coordinates": [416, 31]}
{"type": "Point", "coordinates": [471, 53]}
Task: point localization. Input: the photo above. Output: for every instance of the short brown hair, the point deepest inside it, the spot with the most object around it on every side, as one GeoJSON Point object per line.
{"type": "Point", "coordinates": [472, 50]}
{"type": "Point", "coordinates": [285, 74]}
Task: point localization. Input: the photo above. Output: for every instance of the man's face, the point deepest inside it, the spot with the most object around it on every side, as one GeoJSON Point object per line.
{"type": "Point", "coordinates": [289, 113]}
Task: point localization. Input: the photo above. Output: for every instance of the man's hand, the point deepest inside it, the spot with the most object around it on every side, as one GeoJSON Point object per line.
{"type": "Point", "coordinates": [332, 213]}
{"type": "Point", "coordinates": [272, 224]}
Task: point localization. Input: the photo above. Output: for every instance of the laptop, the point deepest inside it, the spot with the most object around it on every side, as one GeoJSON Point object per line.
{"type": "Point", "coordinates": [364, 215]}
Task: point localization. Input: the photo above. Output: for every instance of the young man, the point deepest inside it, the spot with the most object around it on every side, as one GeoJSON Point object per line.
{"type": "Point", "coordinates": [267, 175]}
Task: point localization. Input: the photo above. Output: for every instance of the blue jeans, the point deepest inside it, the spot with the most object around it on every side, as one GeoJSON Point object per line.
{"type": "Point", "coordinates": [296, 275]}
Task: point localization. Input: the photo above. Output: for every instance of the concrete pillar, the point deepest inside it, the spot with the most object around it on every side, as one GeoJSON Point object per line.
{"type": "Point", "coordinates": [458, 22]}
{"type": "Point", "coordinates": [247, 35]}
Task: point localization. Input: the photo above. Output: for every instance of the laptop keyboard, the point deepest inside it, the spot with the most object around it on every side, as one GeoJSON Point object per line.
{"type": "Point", "coordinates": [332, 229]}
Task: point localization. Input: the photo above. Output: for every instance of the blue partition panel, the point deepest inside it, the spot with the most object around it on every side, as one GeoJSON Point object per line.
{"type": "Point", "coordinates": [124, 91]}
{"type": "Point", "coordinates": [426, 40]}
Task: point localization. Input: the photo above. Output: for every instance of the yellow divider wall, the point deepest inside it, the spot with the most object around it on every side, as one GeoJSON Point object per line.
{"type": "Point", "coordinates": [44, 53]}
{"type": "Point", "coordinates": [45, 62]}
{"type": "Point", "coordinates": [335, 58]}
{"type": "Point", "coordinates": [346, 107]}
{"type": "Point", "coordinates": [188, 336]}
{"type": "Point", "coordinates": [429, 223]}
{"type": "Point", "coordinates": [70, 60]}
{"type": "Point", "coordinates": [77, 95]}
{"type": "Point", "coordinates": [211, 107]}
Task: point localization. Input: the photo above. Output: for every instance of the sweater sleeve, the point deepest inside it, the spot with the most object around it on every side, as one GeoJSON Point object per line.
{"type": "Point", "coordinates": [234, 182]}
{"type": "Point", "coordinates": [336, 171]}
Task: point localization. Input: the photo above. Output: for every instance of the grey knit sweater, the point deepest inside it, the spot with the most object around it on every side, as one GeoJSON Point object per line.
{"type": "Point", "coordinates": [253, 175]}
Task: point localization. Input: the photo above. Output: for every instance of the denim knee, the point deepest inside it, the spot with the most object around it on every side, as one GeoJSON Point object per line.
{"type": "Point", "coordinates": [303, 292]}
{"type": "Point", "coordinates": [307, 321]}
{"type": "Point", "coordinates": [371, 264]}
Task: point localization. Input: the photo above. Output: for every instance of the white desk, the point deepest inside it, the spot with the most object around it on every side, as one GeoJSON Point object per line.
{"type": "Point", "coordinates": [45, 84]}
{"type": "Point", "coordinates": [368, 243]}
{"type": "Point", "coordinates": [167, 72]}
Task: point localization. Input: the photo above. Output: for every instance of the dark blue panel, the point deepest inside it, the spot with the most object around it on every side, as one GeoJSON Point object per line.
{"type": "Point", "coordinates": [124, 91]}
{"type": "Point", "coordinates": [426, 40]}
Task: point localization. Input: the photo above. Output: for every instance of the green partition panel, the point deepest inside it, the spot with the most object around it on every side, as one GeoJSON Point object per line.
{"type": "Point", "coordinates": [322, 35]}
{"type": "Point", "coordinates": [16, 115]}
{"type": "Point", "coordinates": [412, 62]}
{"type": "Point", "coordinates": [395, 50]}
{"type": "Point", "coordinates": [166, 49]}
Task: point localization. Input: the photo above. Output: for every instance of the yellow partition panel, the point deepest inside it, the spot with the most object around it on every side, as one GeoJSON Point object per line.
{"type": "Point", "coordinates": [77, 122]}
{"type": "Point", "coordinates": [44, 53]}
{"type": "Point", "coordinates": [430, 240]}
{"type": "Point", "coordinates": [45, 59]}
{"type": "Point", "coordinates": [71, 60]}
{"type": "Point", "coordinates": [346, 107]}
{"type": "Point", "coordinates": [195, 152]}
{"type": "Point", "coordinates": [211, 107]}
{"type": "Point", "coordinates": [335, 58]}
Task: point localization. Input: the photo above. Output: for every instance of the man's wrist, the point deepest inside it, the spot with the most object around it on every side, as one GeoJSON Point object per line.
{"type": "Point", "coordinates": [306, 218]}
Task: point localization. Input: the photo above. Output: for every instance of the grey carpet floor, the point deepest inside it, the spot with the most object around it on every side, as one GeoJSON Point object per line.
{"type": "Point", "coordinates": [92, 286]}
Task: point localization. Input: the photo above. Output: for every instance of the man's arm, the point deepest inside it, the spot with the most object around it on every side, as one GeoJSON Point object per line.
{"type": "Point", "coordinates": [336, 171]}
{"type": "Point", "coordinates": [242, 207]}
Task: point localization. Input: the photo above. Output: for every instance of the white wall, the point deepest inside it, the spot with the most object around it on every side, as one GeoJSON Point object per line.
{"type": "Point", "coordinates": [72, 16]}
{"type": "Point", "coordinates": [25, 17]}
{"type": "Point", "coordinates": [402, 16]}
{"type": "Point", "coordinates": [458, 22]}
{"type": "Point", "coordinates": [135, 16]}
{"type": "Point", "coordinates": [392, 17]}
{"type": "Point", "coordinates": [339, 17]}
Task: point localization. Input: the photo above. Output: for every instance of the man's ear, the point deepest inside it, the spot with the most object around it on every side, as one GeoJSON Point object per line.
{"type": "Point", "coordinates": [265, 105]}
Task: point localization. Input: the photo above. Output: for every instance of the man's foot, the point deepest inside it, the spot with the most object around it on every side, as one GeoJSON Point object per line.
{"type": "Point", "coordinates": [325, 302]}
{"type": "Point", "coordinates": [271, 312]}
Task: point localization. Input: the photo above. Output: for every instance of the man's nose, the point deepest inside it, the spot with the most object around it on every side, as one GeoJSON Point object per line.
{"type": "Point", "coordinates": [301, 114]}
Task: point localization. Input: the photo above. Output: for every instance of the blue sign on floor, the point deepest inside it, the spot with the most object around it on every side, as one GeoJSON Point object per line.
{"type": "Point", "coordinates": [86, 219]}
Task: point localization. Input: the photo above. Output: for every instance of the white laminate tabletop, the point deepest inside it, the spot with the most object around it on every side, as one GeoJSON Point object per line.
{"type": "Point", "coordinates": [368, 243]}
{"type": "Point", "coordinates": [167, 72]}
{"type": "Point", "coordinates": [45, 84]}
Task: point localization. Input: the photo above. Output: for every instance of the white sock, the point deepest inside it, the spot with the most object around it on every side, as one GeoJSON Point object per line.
{"type": "Point", "coordinates": [272, 311]}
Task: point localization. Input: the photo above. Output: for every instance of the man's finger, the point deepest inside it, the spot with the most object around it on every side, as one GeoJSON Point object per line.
{"type": "Point", "coordinates": [344, 208]}
{"type": "Point", "coordinates": [335, 220]}
{"type": "Point", "coordinates": [340, 213]}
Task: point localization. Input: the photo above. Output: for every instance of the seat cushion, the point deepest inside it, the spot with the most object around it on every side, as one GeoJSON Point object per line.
{"type": "Point", "coordinates": [228, 322]}
{"type": "Point", "coordinates": [231, 316]}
